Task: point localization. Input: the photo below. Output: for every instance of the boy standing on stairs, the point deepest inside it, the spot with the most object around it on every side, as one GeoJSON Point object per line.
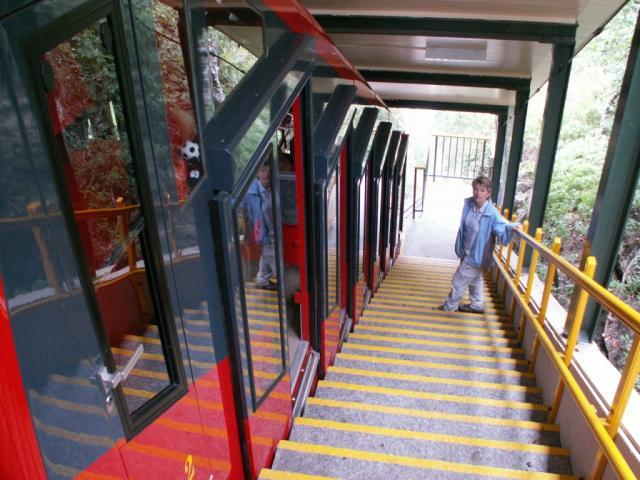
{"type": "Point", "coordinates": [480, 226]}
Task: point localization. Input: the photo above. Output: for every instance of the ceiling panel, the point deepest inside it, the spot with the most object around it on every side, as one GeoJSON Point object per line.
{"type": "Point", "coordinates": [439, 93]}
{"type": "Point", "coordinates": [499, 58]}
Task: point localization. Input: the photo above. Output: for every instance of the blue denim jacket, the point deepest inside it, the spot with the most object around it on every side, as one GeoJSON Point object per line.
{"type": "Point", "coordinates": [258, 206]}
{"type": "Point", "coordinates": [493, 227]}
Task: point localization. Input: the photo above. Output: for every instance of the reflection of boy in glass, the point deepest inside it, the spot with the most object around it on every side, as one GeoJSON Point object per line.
{"type": "Point", "coordinates": [258, 205]}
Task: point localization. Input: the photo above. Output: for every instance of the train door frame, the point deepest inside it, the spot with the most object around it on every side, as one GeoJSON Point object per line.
{"type": "Point", "coordinates": [397, 181]}
{"type": "Point", "coordinates": [359, 144]}
{"type": "Point", "coordinates": [372, 176]}
{"type": "Point", "coordinates": [277, 80]}
{"type": "Point", "coordinates": [329, 141]}
{"type": "Point", "coordinates": [382, 193]}
{"type": "Point", "coordinates": [305, 361]}
{"type": "Point", "coordinates": [62, 22]}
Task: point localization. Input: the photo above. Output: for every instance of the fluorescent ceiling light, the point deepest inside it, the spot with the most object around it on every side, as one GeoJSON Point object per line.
{"type": "Point", "coordinates": [456, 50]}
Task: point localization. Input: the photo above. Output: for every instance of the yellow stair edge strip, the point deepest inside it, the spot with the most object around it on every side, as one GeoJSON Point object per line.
{"type": "Point", "coordinates": [436, 326]}
{"type": "Point", "coordinates": [434, 415]}
{"type": "Point", "coordinates": [413, 331]}
{"type": "Point", "coordinates": [475, 316]}
{"type": "Point", "coordinates": [438, 318]}
{"type": "Point", "coordinates": [427, 379]}
{"type": "Point", "coordinates": [435, 343]}
{"type": "Point", "coordinates": [428, 306]}
{"type": "Point", "coordinates": [435, 365]}
{"type": "Point", "coordinates": [487, 402]}
{"type": "Point", "coordinates": [419, 462]}
{"type": "Point", "coordinates": [268, 474]}
{"type": "Point", "coordinates": [431, 437]}
{"type": "Point", "coordinates": [426, 297]}
{"type": "Point", "coordinates": [427, 353]}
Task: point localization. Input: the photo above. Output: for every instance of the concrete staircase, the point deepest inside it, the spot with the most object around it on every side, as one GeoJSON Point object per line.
{"type": "Point", "coordinates": [418, 393]}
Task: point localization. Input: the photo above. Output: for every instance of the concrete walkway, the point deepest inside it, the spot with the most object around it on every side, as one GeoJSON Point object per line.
{"type": "Point", "coordinates": [433, 233]}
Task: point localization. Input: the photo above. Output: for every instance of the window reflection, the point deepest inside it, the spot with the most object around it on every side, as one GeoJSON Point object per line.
{"type": "Point", "coordinates": [333, 256]}
{"type": "Point", "coordinates": [234, 43]}
{"type": "Point", "coordinates": [90, 128]}
{"type": "Point", "coordinates": [257, 239]}
{"type": "Point", "coordinates": [177, 89]}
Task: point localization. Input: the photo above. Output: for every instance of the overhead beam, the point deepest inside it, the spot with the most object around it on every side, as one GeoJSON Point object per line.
{"type": "Point", "coordinates": [542, 32]}
{"type": "Point", "coordinates": [454, 106]}
{"type": "Point", "coordinates": [550, 134]}
{"type": "Point", "coordinates": [449, 79]}
{"type": "Point", "coordinates": [515, 149]}
{"type": "Point", "coordinates": [496, 170]}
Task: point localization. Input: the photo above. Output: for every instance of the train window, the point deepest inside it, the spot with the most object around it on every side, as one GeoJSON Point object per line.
{"type": "Point", "coordinates": [261, 332]}
{"type": "Point", "coordinates": [178, 102]}
{"type": "Point", "coordinates": [104, 184]}
{"type": "Point", "coordinates": [234, 43]}
{"type": "Point", "coordinates": [333, 238]}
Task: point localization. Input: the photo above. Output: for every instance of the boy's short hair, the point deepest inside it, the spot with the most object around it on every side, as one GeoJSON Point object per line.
{"type": "Point", "coordinates": [483, 182]}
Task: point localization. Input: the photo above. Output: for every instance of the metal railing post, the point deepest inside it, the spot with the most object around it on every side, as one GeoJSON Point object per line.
{"type": "Point", "coordinates": [516, 278]}
{"type": "Point", "coordinates": [619, 404]}
{"type": "Point", "coordinates": [572, 339]}
{"type": "Point", "coordinates": [527, 294]}
{"type": "Point", "coordinates": [34, 209]}
{"type": "Point", "coordinates": [544, 302]}
{"type": "Point", "coordinates": [435, 158]}
{"type": "Point", "coordinates": [122, 230]}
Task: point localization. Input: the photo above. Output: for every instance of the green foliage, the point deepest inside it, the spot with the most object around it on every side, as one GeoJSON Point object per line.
{"type": "Point", "coordinates": [592, 97]}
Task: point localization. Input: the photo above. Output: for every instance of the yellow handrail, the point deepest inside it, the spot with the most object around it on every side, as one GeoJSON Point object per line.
{"type": "Point", "coordinates": [604, 297]}
{"type": "Point", "coordinates": [604, 429]}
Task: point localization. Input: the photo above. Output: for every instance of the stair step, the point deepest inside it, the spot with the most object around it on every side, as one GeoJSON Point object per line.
{"type": "Point", "coordinates": [348, 463]}
{"type": "Point", "coordinates": [416, 352]}
{"type": "Point", "coordinates": [432, 401]}
{"type": "Point", "coordinates": [442, 317]}
{"type": "Point", "coordinates": [436, 345]}
{"type": "Point", "coordinates": [434, 369]}
{"type": "Point", "coordinates": [535, 433]}
{"type": "Point", "coordinates": [429, 310]}
{"type": "Point", "coordinates": [428, 298]}
{"type": "Point", "coordinates": [472, 338]}
{"type": "Point", "coordinates": [431, 446]}
{"type": "Point", "coordinates": [429, 384]}
{"type": "Point", "coordinates": [427, 307]}
{"type": "Point", "coordinates": [435, 325]}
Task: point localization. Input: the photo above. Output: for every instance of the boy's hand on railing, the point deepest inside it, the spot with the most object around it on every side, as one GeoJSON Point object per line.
{"type": "Point", "coordinates": [517, 225]}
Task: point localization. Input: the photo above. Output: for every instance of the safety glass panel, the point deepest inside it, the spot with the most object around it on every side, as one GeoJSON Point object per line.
{"type": "Point", "coordinates": [247, 147]}
{"type": "Point", "coordinates": [332, 230]}
{"type": "Point", "coordinates": [234, 42]}
{"type": "Point", "coordinates": [261, 332]}
{"type": "Point", "coordinates": [88, 119]}
{"type": "Point", "coordinates": [169, 27]}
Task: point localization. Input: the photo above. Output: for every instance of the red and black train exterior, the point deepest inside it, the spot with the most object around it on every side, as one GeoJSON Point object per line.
{"type": "Point", "coordinates": [223, 366]}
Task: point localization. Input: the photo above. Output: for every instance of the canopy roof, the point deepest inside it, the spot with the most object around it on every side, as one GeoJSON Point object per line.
{"type": "Point", "coordinates": [452, 50]}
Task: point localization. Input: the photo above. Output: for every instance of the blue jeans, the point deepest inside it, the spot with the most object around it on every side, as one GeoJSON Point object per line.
{"type": "Point", "coordinates": [466, 276]}
{"type": "Point", "coordinates": [267, 268]}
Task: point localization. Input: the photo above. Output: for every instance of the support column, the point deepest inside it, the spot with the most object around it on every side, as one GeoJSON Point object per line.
{"type": "Point", "coordinates": [618, 182]}
{"type": "Point", "coordinates": [550, 132]}
{"type": "Point", "coordinates": [515, 151]}
{"type": "Point", "coordinates": [497, 157]}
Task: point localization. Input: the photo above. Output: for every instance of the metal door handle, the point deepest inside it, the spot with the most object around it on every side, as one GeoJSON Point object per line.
{"type": "Point", "coordinates": [111, 380]}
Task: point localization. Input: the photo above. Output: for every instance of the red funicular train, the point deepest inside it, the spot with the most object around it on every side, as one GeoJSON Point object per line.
{"type": "Point", "coordinates": [198, 199]}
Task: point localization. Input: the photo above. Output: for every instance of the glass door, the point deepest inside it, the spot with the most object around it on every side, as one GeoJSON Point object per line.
{"type": "Point", "coordinates": [79, 70]}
